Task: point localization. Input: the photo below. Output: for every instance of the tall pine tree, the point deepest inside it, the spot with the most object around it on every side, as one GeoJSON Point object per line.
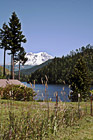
{"type": "Point", "coordinates": [16, 37]}
{"type": "Point", "coordinates": [4, 42]}
{"type": "Point", "coordinates": [80, 82]}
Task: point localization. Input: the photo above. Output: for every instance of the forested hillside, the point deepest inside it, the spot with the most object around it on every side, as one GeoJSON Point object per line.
{"type": "Point", "coordinates": [59, 70]}
{"type": "Point", "coordinates": [1, 72]}
{"type": "Point", "coordinates": [34, 68]}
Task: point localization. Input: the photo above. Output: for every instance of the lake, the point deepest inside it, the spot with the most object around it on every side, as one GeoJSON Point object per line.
{"type": "Point", "coordinates": [63, 92]}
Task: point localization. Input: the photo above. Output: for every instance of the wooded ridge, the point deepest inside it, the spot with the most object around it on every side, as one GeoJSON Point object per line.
{"type": "Point", "coordinates": [59, 70]}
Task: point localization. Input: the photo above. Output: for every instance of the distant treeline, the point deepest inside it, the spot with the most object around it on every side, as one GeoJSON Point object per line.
{"type": "Point", "coordinates": [1, 71]}
{"type": "Point", "coordinates": [59, 70]}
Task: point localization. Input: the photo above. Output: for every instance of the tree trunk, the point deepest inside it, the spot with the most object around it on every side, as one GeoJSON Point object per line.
{"type": "Point", "coordinates": [4, 62]}
{"type": "Point", "coordinates": [13, 67]}
{"type": "Point", "coordinates": [19, 71]}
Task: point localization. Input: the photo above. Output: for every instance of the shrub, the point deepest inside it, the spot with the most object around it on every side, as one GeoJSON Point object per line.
{"type": "Point", "coordinates": [17, 92]}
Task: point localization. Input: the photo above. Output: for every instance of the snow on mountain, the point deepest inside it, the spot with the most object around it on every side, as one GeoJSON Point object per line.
{"type": "Point", "coordinates": [37, 58]}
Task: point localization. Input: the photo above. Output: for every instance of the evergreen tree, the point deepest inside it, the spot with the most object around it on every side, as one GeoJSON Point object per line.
{"type": "Point", "coordinates": [4, 42]}
{"type": "Point", "coordinates": [79, 81]}
{"type": "Point", "coordinates": [21, 59]}
{"type": "Point", "coordinates": [16, 37]}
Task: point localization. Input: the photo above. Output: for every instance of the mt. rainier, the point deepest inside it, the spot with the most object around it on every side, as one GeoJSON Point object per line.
{"type": "Point", "coordinates": [37, 58]}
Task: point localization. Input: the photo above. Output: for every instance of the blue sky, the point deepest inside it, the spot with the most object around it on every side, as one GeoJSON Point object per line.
{"type": "Point", "coordinates": [53, 26]}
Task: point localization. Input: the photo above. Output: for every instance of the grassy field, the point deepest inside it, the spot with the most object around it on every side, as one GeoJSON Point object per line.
{"type": "Point", "coordinates": [45, 121]}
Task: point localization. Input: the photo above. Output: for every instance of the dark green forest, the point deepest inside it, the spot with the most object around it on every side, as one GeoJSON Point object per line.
{"type": "Point", "coordinates": [59, 70]}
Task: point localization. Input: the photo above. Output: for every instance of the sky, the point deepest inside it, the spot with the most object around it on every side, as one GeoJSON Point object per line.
{"type": "Point", "coordinates": [53, 26]}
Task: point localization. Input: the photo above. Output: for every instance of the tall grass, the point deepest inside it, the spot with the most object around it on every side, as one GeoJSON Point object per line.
{"type": "Point", "coordinates": [26, 121]}
{"type": "Point", "coordinates": [38, 120]}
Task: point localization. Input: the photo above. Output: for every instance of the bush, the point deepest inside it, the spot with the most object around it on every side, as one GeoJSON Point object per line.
{"type": "Point", "coordinates": [17, 92]}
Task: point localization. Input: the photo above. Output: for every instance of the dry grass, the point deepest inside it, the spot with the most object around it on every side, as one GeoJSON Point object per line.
{"type": "Point", "coordinates": [68, 128]}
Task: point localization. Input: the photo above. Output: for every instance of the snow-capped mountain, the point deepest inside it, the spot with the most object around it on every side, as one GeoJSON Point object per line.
{"type": "Point", "coordinates": [37, 58]}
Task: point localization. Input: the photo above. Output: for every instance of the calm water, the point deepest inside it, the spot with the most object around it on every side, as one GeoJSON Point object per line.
{"type": "Point", "coordinates": [63, 92]}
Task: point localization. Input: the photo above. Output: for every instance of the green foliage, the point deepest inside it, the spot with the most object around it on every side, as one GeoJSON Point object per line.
{"type": "Point", "coordinates": [17, 92]}
{"type": "Point", "coordinates": [15, 37]}
{"type": "Point", "coordinates": [91, 91]}
{"type": "Point", "coordinates": [4, 37]}
{"type": "Point", "coordinates": [28, 71]}
{"type": "Point", "coordinates": [4, 42]}
{"type": "Point", "coordinates": [59, 70]}
{"type": "Point", "coordinates": [11, 38]}
{"type": "Point", "coordinates": [79, 81]}
{"type": "Point", "coordinates": [1, 75]}
{"type": "Point", "coordinates": [15, 34]}
{"type": "Point", "coordinates": [21, 56]}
